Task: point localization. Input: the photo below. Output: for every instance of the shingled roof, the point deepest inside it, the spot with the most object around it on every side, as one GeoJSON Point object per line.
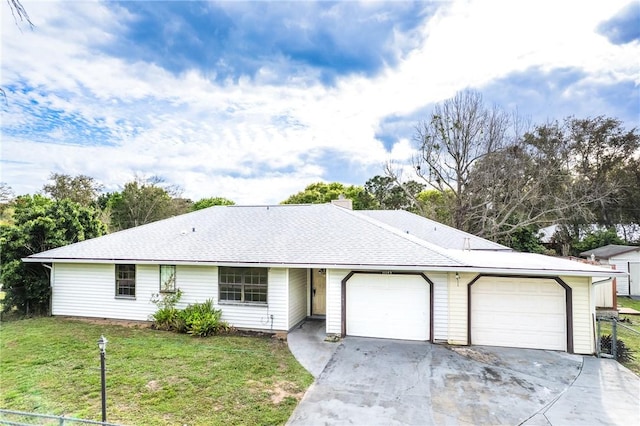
{"type": "Point", "coordinates": [318, 235]}
{"type": "Point", "coordinates": [608, 251]}
{"type": "Point", "coordinates": [432, 231]}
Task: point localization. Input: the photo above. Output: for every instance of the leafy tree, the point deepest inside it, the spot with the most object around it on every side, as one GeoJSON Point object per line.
{"type": "Point", "coordinates": [390, 194]}
{"type": "Point", "coordinates": [320, 192]}
{"type": "Point", "coordinates": [437, 205]}
{"type": "Point", "coordinates": [602, 150]}
{"type": "Point", "coordinates": [595, 239]}
{"type": "Point", "coordinates": [39, 224]}
{"type": "Point", "coordinates": [80, 189]}
{"type": "Point", "coordinates": [525, 239]}
{"type": "Point", "coordinates": [210, 202]}
{"type": "Point", "coordinates": [578, 172]}
{"type": "Point", "coordinates": [144, 201]}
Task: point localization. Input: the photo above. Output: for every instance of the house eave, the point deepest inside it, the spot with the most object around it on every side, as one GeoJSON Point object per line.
{"type": "Point", "coordinates": [344, 266]}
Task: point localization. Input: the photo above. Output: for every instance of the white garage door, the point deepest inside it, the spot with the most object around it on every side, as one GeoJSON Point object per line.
{"type": "Point", "coordinates": [388, 306]}
{"type": "Point", "coordinates": [518, 312]}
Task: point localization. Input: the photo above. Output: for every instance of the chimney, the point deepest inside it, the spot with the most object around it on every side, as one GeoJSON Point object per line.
{"type": "Point", "coordinates": [343, 202]}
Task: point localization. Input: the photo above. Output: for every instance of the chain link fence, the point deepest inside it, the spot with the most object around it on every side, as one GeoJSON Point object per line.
{"type": "Point", "coordinates": [20, 418]}
{"type": "Point", "coordinates": [613, 339]}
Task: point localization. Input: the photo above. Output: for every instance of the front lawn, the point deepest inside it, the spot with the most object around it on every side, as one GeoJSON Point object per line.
{"type": "Point", "coordinates": [52, 366]}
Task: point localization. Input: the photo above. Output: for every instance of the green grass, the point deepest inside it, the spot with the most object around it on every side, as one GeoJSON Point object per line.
{"type": "Point", "coordinates": [630, 339]}
{"type": "Point", "coordinates": [52, 366]}
{"type": "Point", "coordinates": [628, 302]}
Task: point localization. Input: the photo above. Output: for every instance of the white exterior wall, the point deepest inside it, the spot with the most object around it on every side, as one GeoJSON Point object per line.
{"type": "Point", "coordinates": [440, 305]}
{"type": "Point", "coordinates": [88, 290]}
{"type": "Point", "coordinates": [583, 313]}
{"type": "Point", "coordinates": [196, 283]}
{"type": "Point", "coordinates": [297, 296]}
{"type": "Point", "coordinates": [603, 294]}
{"type": "Point", "coordinates": [622, 282]}
{"type": "Point", "coordinates": [334, 300]}
{"type": "Point", "coordinates": [622, 264]}
{"type": "Point", "coordinates": [273, 316]}
{"type": "Point", "coordinates": [457, 318]}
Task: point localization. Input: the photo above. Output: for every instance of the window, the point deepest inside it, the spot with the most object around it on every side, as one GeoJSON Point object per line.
{"type": "Point", "coordinates": [167, 278]}
{"type": "Point", "coordinates": [126, 281]}
{"type": "Point", "coordinates": [247, 285]}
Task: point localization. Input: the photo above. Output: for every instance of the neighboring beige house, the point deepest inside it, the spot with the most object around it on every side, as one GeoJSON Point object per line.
{"type": "Point", "coordinates": [623, 258]}
{"type": "Point", "coordinates": [385, 274]}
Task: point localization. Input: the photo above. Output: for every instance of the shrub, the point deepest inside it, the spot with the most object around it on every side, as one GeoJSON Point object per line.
{"type": "Point", "coordinates": [623, 352]}
{"type": "Point", "coordinates": [167, 316]}
{"type": "Point", "coordinates": [202, 319]}
{"type": "Point", "coordinates": [198, 319]}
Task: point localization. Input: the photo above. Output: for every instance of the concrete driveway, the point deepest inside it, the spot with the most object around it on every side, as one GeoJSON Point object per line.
{"type": "Point", "coordinates": [376, 381]}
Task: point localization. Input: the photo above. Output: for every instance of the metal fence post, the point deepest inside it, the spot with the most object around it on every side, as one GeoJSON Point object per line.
{"type": "Point", "coordinates": [614, 338]}
{"type": "Point", "coordinates": [598, 341]}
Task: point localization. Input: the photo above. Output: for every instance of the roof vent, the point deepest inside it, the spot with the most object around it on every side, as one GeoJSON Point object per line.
{"type": "Point", "coordinates": [467, 244]}
{"type": "Point", "coordinates": [193, 229]}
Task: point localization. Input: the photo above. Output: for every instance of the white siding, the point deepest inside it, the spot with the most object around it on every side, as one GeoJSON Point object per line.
{"type": "Point", "coordinates": [604, 294]}
{"type": "Point", "coordinates": [334, 300]}
{"type": "Point", "coordinates": [440, 305]}
{"type": "Point", "coordinates": [88, 290]}
{"type": "Point", "coordinates": [457, 320]}
{"type": "Point", "coordinates": [622, 263]}
{"type": "Point", "coordinates": [197, 284]}
{"type": "Point", "coordinates": [583, 312]}
{"type": "Point", "coordinates": [297, 296]}
{"type": "Point", "coordinates": [634, 276]}
{"type": "Point", "coordinates": [622, 282]}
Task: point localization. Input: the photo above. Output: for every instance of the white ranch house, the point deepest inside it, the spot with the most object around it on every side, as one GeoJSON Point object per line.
{"type": "Point", "coordinates": [384, 274]}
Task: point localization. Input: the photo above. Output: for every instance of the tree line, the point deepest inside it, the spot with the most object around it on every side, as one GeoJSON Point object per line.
{"type": "Point", "coordinates": [476, 168]}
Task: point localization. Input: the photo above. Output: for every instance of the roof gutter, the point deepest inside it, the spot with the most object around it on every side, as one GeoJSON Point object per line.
{"type": "Point", "coordinates": [347, 266]}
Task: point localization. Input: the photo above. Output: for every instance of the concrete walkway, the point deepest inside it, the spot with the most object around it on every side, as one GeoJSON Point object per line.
{"type": "Point", "coordinates": [307, 344]}
{"type": "Point", "coordinates": [376, 381]}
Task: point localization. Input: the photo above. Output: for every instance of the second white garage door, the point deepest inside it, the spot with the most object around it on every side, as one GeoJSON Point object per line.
{"type": "Point", "coordinates": [388, 306]}
{"type": "Point", "coordinates": [518, 312]}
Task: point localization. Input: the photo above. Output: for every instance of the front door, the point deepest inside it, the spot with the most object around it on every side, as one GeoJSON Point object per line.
{"type": "Point", "coordinates": [318, 291]}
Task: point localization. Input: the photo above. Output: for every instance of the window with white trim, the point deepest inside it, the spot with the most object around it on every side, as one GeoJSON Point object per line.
{"type": "Point", "coordinates": [167, 278]}
{"type": "Point", "coordinates": [126, 281]}
{"type": "Point", "coordinates": [243, 285]}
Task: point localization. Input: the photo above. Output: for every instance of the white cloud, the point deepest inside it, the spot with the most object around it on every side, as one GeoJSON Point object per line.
{"type": "Point", "coordinates": [235, 139]}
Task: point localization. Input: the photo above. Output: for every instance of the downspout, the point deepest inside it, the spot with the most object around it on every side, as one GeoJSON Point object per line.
{"type": "Point", "coordinates": [50, 268]}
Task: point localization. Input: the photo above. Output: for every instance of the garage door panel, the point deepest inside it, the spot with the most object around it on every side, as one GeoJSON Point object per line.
{"type": "Point", "coordinates": [526, 313]}
{"type": "Point", "coordinates": [388, 306]}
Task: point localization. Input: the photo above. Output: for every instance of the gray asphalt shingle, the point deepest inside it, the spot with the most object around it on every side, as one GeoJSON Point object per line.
{"type": "Point", "coordinates": [306, 235]}
{"type": "Point", "coordinates": [283, 234]}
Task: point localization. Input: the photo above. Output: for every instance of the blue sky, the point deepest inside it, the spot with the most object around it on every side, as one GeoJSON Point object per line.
{"type": "Point", "coordinates": [254, 100]}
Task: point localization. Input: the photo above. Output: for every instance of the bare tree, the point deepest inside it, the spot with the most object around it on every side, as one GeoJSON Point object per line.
{"type": "Point", "coordinates": [459, 132]}
{"type": "Point", "coordinates": [542, 178]}
{"type": "Point", "coordinates": [6, 193]}
{"type": "Point", "coordinates": [19, 14]}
